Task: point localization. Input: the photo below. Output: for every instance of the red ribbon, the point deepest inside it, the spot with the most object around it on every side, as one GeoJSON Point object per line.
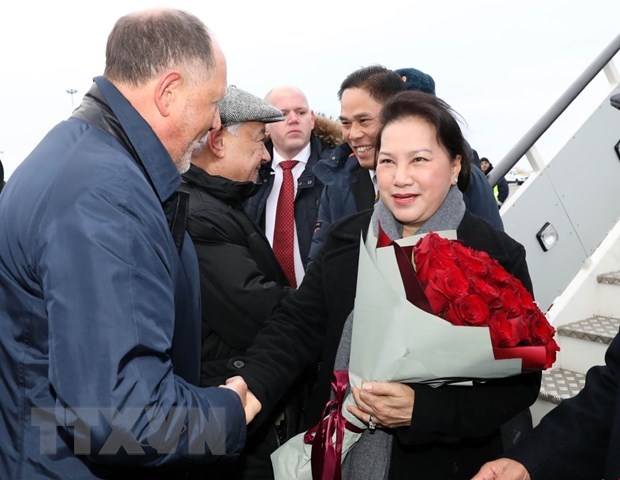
{"type": "Point", "coordinates": [533, 358]}
{"type": "Point", "coordinates": [413, 288]}
{"type": "Point", "coordinates": [326, 456]}
{"type": "Point", "coordinates": [382, 239]}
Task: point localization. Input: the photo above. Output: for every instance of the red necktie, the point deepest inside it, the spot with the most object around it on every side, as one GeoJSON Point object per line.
{"type": "Point", "coordinates": [284, 230]}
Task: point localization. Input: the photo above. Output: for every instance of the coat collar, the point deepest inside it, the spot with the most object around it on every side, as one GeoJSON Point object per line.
{"type": "Point", "coordinates": [228, 191]}
{"type": "Point", "coordinates": [153, 157]}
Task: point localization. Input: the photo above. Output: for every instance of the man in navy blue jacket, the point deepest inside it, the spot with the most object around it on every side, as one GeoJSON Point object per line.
{"type": "Point", "coordinates": [99, 290]}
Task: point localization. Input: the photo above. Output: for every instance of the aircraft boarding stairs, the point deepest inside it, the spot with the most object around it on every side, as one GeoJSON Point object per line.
{"type": "Point", "coordinates": [577, 194]}
{"type": "Point", "coordinates": [586, 317]}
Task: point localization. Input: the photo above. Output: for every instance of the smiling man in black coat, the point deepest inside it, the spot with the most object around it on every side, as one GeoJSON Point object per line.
{"type": "Point", "coordinates": [241, 281]}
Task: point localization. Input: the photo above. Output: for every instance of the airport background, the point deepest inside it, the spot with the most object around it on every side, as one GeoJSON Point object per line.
{"type": "Point", "coordinates": [500, 65]}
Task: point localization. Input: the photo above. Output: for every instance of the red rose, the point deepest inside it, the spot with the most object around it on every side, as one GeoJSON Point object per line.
{"type": "Point", "coordinates": [421, 251]}
{"type": "Point", "coordinates": [488, 292]}
{"type": "Point", "coordinates": [468, 287]}
{"type": "Point", "coordinates": [499, 274]}
{"type": "Point", "coordinates": [510, 304]}
{"type": "Point", "coordinates": [436, 297]}
{"type": "Point", "coordinates": [542, 332]}
{"type": "Point", "coordinates": [507, 332]}
{"type": "Point", "coordinates": [452, 282]}
{"type": "Point", "coordinates": [434, 266]}
{"type": "Point", "coordinates": [468, 310]}
{"type": "Point", "coordinates": [525, 297]}
{"type": "Point", "coordinates": [434, 258]}
{"type": "Point", "coordinates": [473, 266]}
{"type": "Point", "coordinates": [551, 348]}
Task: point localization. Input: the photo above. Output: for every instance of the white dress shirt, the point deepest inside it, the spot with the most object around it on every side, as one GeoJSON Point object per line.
{"type": "Point", "coordinates": [272, 202]}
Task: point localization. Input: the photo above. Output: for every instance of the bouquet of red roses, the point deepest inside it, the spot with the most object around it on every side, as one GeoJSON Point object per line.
{"type": "Point", "coordinates": [456, 316]}
{"type": "Point", "coordinates": [467, 287]}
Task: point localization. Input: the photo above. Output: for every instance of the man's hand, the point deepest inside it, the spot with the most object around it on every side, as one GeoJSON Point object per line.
{"type": "Point", "coordinates": [252, 407]}
{"type": "Point", "coordinates": [502, 469]}
{"type": "Point", "coordinates": [250, 403]}
{"type": "Point", "coordinates": [237, 384]}
{"type": "Point", "coordinates": [389, 404]}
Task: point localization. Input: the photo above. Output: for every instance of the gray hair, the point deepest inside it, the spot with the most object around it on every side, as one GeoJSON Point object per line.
{"type": "Point", "coordinates": [233, 129]}
{"type": "Point", "coordinates": [143, 44]}
{"type": "Point", "coordinates": [201, 144]}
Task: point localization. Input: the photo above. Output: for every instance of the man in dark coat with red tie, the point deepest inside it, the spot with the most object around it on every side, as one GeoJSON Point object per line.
{"type": "Point", "coordinates": [308, 139]}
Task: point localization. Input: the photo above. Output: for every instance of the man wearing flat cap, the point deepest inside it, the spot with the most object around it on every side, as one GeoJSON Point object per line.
{"type": "Point", "coordinates": [241, 280]}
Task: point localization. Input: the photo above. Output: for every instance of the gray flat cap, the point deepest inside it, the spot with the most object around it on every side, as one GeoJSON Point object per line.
{"type": "Point", "coordinates": [239, 106]}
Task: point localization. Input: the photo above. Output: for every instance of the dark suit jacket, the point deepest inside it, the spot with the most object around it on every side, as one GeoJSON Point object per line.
{"type": "Point", "coordinates": [580, 439]}
{"type": "Point", "coordinates": [307, 200]}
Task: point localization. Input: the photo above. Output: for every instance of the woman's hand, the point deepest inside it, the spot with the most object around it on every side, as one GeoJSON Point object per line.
{"type": "Point", "coordinates": [389, 404]}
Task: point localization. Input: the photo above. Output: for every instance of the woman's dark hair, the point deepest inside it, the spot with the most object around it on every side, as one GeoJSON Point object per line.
{"type": "Point", "coordinates": [411, 104]}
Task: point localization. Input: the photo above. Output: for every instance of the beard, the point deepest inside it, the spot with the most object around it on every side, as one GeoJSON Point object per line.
{"type": "Point", "coordinates": [185, 158]}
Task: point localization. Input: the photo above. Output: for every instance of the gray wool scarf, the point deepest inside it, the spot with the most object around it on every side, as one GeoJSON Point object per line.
{"type": "Point", "coordinates": [369, 458]}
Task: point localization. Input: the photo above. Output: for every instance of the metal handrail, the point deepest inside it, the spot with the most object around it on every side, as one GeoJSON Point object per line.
{"type": "Point", "coordinates": [542, 125]}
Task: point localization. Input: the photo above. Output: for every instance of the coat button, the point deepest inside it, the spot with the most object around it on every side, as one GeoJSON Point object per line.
{"type": "Point", "coordinates": [239, 364]}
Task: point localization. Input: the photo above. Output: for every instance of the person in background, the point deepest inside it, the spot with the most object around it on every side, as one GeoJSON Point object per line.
{"type": "Point", "coordinates": [1, 176]}
{"type": "Point", "coordinates": [241, 281]}
{"type": "Point", "coordinates": [479, 196]}
{"type": "Point", "coordinates": [304, 138]}
{"type": "Point", "coordinates": [423, 432]}
{"type": "Point", "coordinates": [348, 173]}
{"type": "Point", "coordinates": [417, 80]}
{"type": "Point", "coordinates": [99, 288]}
{"type": "Point", "coordinates": [501, 190]}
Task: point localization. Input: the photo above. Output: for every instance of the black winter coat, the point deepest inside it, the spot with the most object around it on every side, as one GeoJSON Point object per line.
{"type": "Point", "coordinates": [454, 429]}
{"type": "Point", "coordinates": [580, 439]}
{"type": "Point", "coordinates": [241, 283]}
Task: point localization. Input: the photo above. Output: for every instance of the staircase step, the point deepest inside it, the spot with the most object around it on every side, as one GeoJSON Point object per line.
{"type": "Point", "coordinates": [559, 384]}
{"type": "Point", "coordinates": [611, 278]}
{"type": "Point", "coordinates": [598, 328]}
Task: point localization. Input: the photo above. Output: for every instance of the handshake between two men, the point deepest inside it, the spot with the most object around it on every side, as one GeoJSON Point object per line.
{"type": "Point", "coordinates": [250, 403]}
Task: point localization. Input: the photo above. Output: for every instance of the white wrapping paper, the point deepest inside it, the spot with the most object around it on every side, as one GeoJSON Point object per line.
{"type": "Point", "coordinates": [393, 340]}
